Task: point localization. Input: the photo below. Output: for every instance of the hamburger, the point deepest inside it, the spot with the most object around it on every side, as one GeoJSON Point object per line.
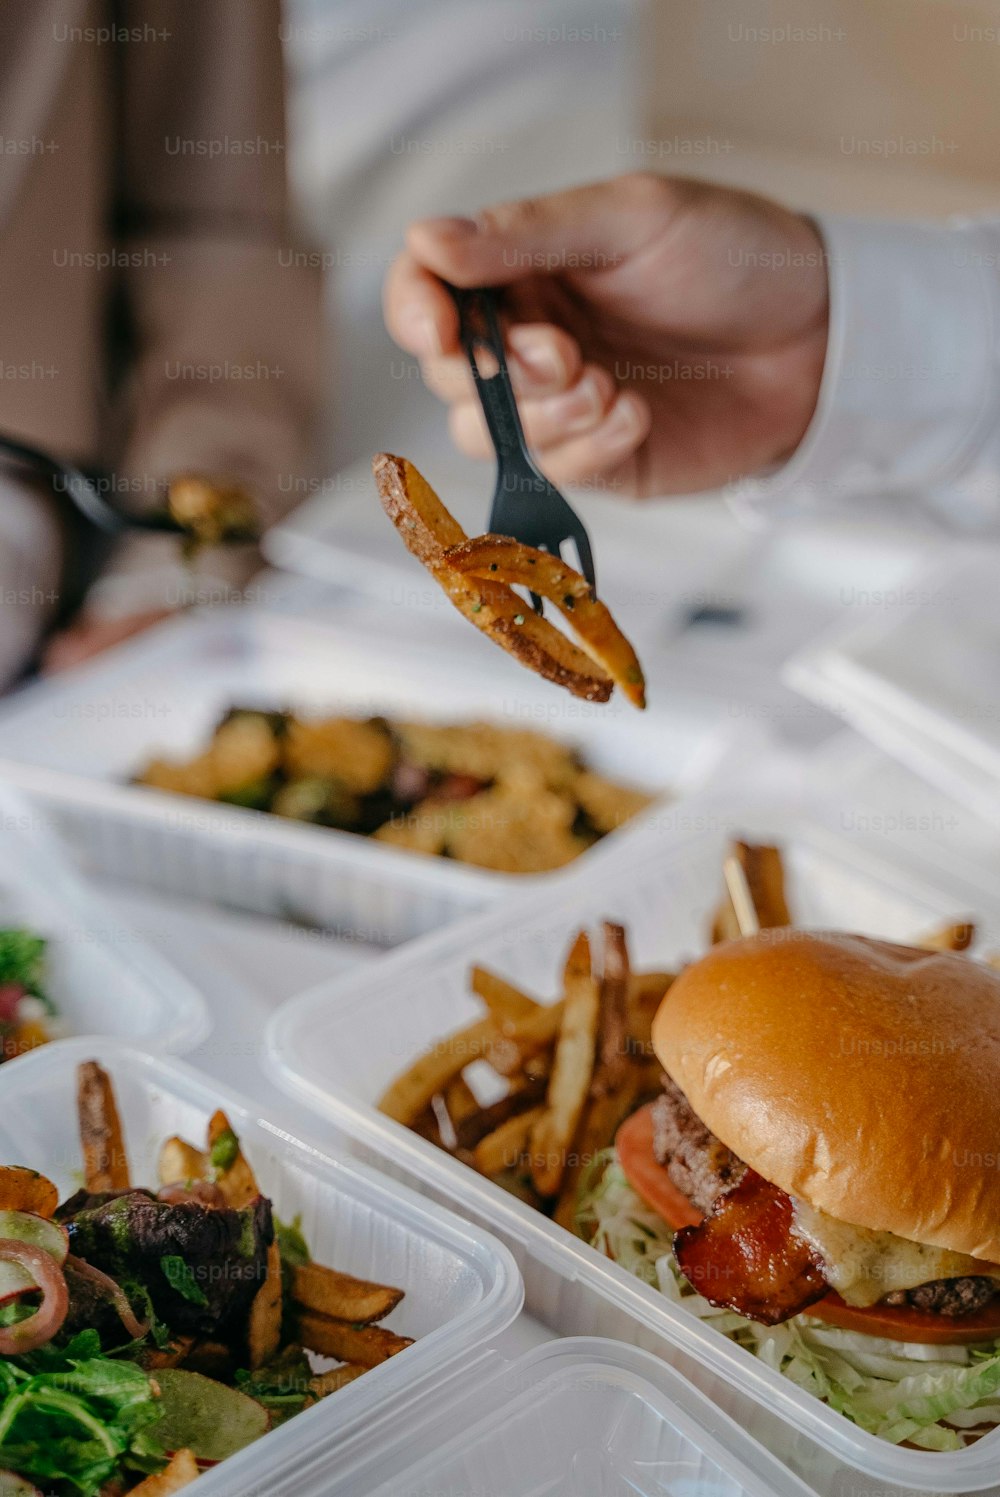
{"type": "Point", "coordinates": [828, 1136]}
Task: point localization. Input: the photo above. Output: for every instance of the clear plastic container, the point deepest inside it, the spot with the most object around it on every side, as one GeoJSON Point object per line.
{"type": "Point", "coordinates": [340, 1045]}
{"type": "Point", "coordinates": [75, 742]}
{"type": "Point", "coordinates": [101, 975]}
{"type": "Point", "coordinates": [577, 1418]}
{"type": "Point", "coordinates": [462, 1287]}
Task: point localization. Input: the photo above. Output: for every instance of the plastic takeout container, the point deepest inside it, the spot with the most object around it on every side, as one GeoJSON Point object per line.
{"type": "Point", "coordinates": [101, 975]}
{"type": "Point", "coordinates": [462, 1287]}
{"type": "Point", "coordinates": [76, 741]}
{"type": "Point", "coordinates": [576, 1418]}
{"type": "Point", "coordinates": [340, 1045]}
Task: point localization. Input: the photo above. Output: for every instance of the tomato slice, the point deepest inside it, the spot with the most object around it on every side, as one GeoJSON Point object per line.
{"type": "Point", "coordinates": [648, 1178]}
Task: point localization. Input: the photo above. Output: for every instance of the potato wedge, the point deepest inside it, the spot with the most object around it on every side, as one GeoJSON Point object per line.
{"type": "Point", "coordinates": [367, 1346]}
{"type": "Point", "coordinates": [502, 1149]}
{"type": "Point", "coordinates": [765, 879]}
{"type": "Point", "coordinates": [501, 997]}
{"type": "Point", "coordinates": [428, 530]}
{"type": "Point", "coordinates": [180, 1162]}
{"type": "Point", "coordinates": [230, 1170]}
{"type": "Point", "coordinates": [22, 1189]}
{"type": "Point", "coordinates": [325, 1383]}
{"type": "Point", "coordinates": [501, 558]}
{"type": "Point", "coordinates": [572, 1071]}
{"type": "Point", "coordinates": [264, 1323]}
{"type": "Point", "coordinates": [327, 1292]}
{"type": "Point", "coordinates": [105, 1162]}
{"type": "Point", "coordinates": [180, 1473]}
{"type": "Point", "coordinates": [430, 1074]}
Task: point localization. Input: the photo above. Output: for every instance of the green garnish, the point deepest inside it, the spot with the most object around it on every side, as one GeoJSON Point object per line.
{"type": "Point", "coordinates": [225, 1150]}
{"type": "Point", "coordinates": [181, 1278]}
{"type": "Point", "coordinates": [22, 961]}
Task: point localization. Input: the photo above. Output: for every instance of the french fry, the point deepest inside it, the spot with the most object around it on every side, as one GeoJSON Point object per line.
{"type": "Point", "coordinates": [521, 1039]}
{"type": "Point", "coordinates": [430, 1074]}
{"type": "Point", "coordinates": [26, 1190]}
{"type": "Point", "coordinates": [211, 1359]}
{"type": "Point", "coordinates": [613, 1051]}
{"type": "Point", "coordinates": [646, 991]}
{"type": "Point", "coordinates": [180, 1473]}
{"type": "Point", "coordinates": [367, 1346]}
{"type": "Point", "coordinates": [501, 558]}
{"type": "Point", "coordinates": [174, 1354]}
{"type": "Point", "coordinates": [502, 1149]}
{"type": "Point", "coordinates": [460, 1100]}
{"type": "Point", "coordinates": [602, 1118]}
{"type": "Point", "coordinates": [765, 878]}
{"type": "Point", "coordinates": [526, 1091]}
{"type": "Point", "coordinates": [324, 1291]}
{"type": "Point", "coordinates": [180, 1162]}
{"type": "Point", "coordinates": [571, 1072]}
{"type": "Point", "coordinates": [264, 1324]}
{"type": "Point", "coordinates": [325, 1383]}
{"type": "Point", "coordinates": [231, 1172]}
{"type": "Point", "coordinates": [428, 530]}
{"type": "Point", "coordinates": [501, 997]}
{"type": "Point", "coordinates": [958, 936]}
{"type": "Point", "coordinates": [105, 1162]}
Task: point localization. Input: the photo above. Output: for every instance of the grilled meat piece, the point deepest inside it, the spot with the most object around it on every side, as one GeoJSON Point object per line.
{"type": "Point", "coordinates": [955, 1297]}
{"type": "Point", "coordinates": [698, 1164]}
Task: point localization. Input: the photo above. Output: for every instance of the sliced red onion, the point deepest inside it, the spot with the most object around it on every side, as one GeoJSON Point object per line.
{"type": "Point", "coordinates": [38, 1329]}
{"type": "Point", "coordinates": [11, 994]}
{"type": "Point", "coordinates": [115, 1293]}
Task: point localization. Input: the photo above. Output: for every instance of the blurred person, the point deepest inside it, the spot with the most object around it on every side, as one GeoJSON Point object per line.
{"type": "Point", "coordinates": [686, 337]}
{"type": "Point", "coordinates": [154, 318]}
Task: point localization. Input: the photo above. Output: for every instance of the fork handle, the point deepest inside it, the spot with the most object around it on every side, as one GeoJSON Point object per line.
{"type": "Point", "coordinates": [479, 328]}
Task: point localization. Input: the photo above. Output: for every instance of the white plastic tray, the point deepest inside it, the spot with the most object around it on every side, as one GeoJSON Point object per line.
{"type": "Point", "coordinates": [75, 741]}
{"type": "Point", "coordinates": [340, 1044]}
{"type": "Point", "coordinates": [462, 1287]}
{"type": "Point", "coordinates": [101, 975]}
{"type": "Point", "coordinates": [577, 1418]}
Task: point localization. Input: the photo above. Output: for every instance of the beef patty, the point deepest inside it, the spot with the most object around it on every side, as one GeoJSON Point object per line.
{"type": "Point", "coordinates": [702, 1168]}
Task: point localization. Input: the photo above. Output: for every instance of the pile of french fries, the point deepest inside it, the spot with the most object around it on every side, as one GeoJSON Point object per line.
{"type": "Point", "coordinates": [575, 1069]}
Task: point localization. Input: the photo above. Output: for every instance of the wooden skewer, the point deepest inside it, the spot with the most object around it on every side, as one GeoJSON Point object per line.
{"type": "Point", "coordinates": [739, 893]}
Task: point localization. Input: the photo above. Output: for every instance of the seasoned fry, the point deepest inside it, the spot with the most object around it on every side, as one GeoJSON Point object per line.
{"type": "Point", "coordinates": [264, 1326]}
{"type": "Point", "coordinates": [646, 991]}
{"type": "Point", "coordinates": [26, 1190]}
{"type": "Point", "coordinates": [613, 1052]}
{"type": "Point", "coordinates": [501, 997]}
{"type": "Point", "coordinates": [957, 936]}
{"type": "Point", "coordinates": [527, 1037]}
{"type": "Point", "coordinates": [105, 1162]}
{"type": "Point", "coordinates": [173, 1354]}
{"type": "Point", "coordinates": [181, 1472]}
{"type": "Point", "coordinates": [602, 1118]}
{"type": "Point", "coordinates": [502, 1149]}
{"type": "Point", "coordinates": [180, 1162]}
{"type": "Point", "coordinates": [460, 1100]}
{"type": "Point", "coordinates": [428, 530]}
{"type": "Point", "coordinates": [765, 877]}
{"type": "Point", "coordinates": [501, 558]}
{"type": "Point", "coordinates": [571, 1072]}
{"type": "Point", "coordinates": [231, 1173]}
{"type": "Point", "coordinates": [411, 1092]}
{"type": "Point", "coordinates": [325, 1383]}
{"type": "Point", "coordinates": [368, 1346]}
{"type": "Point", "coordinates": [323, 1291]}
{"type": "Point", "coordinates": [525, 1092]}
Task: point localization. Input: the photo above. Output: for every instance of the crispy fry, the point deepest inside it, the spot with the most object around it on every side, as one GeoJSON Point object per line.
{"type": "Point", "coordinates": [367, 1346]}
{"type": "Point", "coordinates": [613, 1058]}
{"type": "Point", "coordinates": [602, 1118]}
{"type": "Point", "coordinates": [325, 1383]}
{"type": "Point", "coordinates": [180, 1473]}
{"type": "Point", "coordinates": [501, 997]}
{"type": "Point", "coordinates": [264, 1324]}
{"type": "Point", "coordinates": [646, 991]}
{"type": "Point", "coordinates": [180, 1162]}
{"type": "Point", "coordinates": [231, 1172]}
{"type": "Point", "coordinates": [211, 1359]}
{"type": "Point", "coordinates": [502, 1149]}
{"type": "Point", "coordinates": [526, 1091]}
{"type": "Point", "coordinates": [523, 1039]}
{"type": "Point", "coordinates": [174, 1354]}
{"type": "Point", "coordinates": [958, 936]}
{"type": "Point", "coordinates": [765, 876]}
{"type": "Point", "coordinates": [571, 1072]}
{"type": "Point", "coordinates": [105, 1162]}
{"type": "Point", "coordinates": [411, 1092]}
{"type": "Point", "coordinates": [501, 558]}
{"type": "Point", "coordinates": [26, 1190]}
{"type": "Point", "coordinates": [427, 531]}
{"type": "Point", "coordinates": [460, 1100]}
{"type": "Point", "coordinates": [324, 1291]}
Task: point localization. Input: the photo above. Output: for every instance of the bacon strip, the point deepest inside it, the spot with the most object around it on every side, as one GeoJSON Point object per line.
{"type": "Point", "coordinates": [745, 1256]}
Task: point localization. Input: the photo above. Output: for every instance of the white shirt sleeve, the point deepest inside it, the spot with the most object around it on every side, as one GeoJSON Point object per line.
{"type": "Point", "coordinates": [910, 395]}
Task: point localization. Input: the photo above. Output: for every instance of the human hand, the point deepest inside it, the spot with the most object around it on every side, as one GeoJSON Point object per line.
{"type": "Point", "coordinates": [665, 335]}
{"type": "Point", "coordinates": [90, 634]}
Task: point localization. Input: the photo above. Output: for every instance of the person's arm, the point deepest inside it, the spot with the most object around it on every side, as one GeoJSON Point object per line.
{"type": "Point", "coordinates": [219, 318]}
{"type": "Point", "coordinates": [31, 551]}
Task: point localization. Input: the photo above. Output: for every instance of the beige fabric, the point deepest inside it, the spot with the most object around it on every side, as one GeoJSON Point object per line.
{"type": "Point", "coordinates": [152, 317]}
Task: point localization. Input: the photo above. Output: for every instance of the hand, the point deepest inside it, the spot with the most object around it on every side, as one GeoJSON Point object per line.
{"type": "Point", "coordinates": [665, 335]}
{"type": "Point", "coordinates": [90, 634]}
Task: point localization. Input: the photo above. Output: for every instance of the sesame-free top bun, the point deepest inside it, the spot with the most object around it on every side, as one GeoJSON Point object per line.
{"type": "Point", "coordinates": [860, 1076]}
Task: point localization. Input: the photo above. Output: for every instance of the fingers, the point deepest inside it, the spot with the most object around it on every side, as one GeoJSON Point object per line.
{"type": "Point", "coordinates": [548, 419]}
{"type": "Point", "coordinates": [568, 451]}
{"type": "Point", "coordinates": [585, 228]}
{"type": "Point", "coordinates": [419, 313]}
{"type": "Point", "coordinates": [541, 360]}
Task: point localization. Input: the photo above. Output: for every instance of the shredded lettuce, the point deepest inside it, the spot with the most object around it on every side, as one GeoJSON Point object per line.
{"type": "Point", "coordinates": [926, 1395]}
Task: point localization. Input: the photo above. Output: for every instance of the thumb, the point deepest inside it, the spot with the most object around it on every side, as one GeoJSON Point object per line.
{"type": "Point", "coordinates": [583, 229]}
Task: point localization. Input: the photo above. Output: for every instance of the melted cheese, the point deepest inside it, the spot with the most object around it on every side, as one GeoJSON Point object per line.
{"type": "Point", "coordinates": [864, 1266]}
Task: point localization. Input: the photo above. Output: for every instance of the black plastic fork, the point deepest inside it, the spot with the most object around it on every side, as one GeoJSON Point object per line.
{"type": "Point", "coordinates": [525, 504]}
